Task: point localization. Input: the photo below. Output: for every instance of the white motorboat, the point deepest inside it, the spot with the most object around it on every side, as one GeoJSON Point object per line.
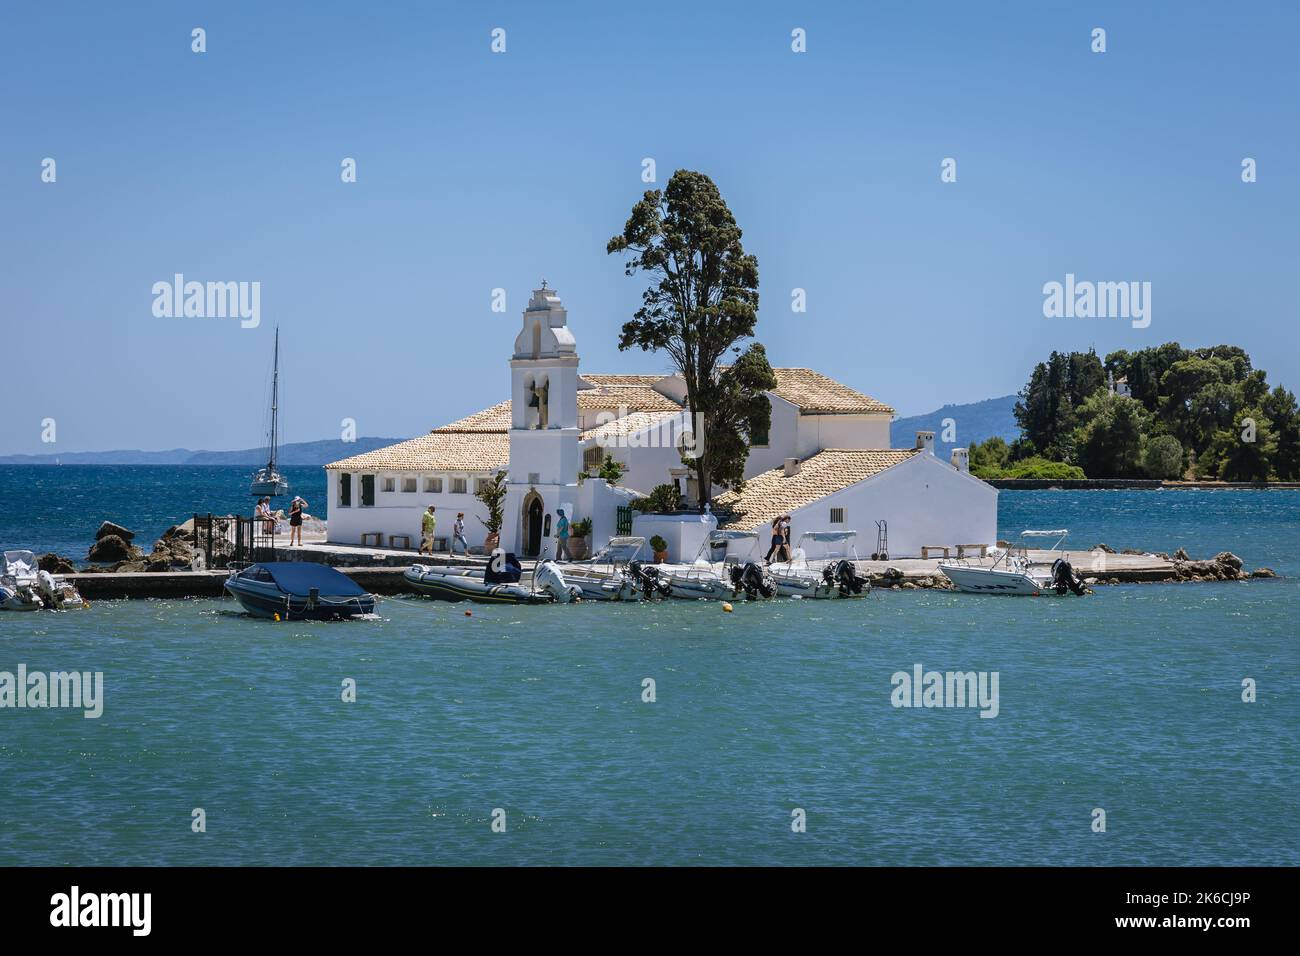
{"type": "Point", "coordinates": [612, 574]}
{"type": "Point", "coordinates": [18, 582]}
{"type": "Point", "coordinates": [25, 587]}
{"type": "Point", "coordinates": [58, 593]}
{"type": "Point", "coordinates": [702, 580]}
{"type": "Point", "coordinates": [834, 576]}
{"type": "Point", "coordinates": [1012, 573]}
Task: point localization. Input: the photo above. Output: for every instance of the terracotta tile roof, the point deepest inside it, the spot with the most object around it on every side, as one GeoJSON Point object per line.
{"type": "Point", "coordinates": [437, 451]}
{"type": "Point", "coordinates": [628, 424]}
{"type": "Point", "coordinates": [599, 378]}
{"type": "Point", "coordinates": [494, 419]}
{"type": "Point", "coordinates": [636, 396]}
{"type": "Point", "coordinates": [809, 390]}
{"type": "Point", "coordinates": [771, 493]}
{"type": "Point", "coordinates": [817, 393]}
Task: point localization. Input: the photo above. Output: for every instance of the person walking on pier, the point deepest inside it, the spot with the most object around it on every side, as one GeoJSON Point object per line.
{"type": "Point", "coordinates": [784, 528]}
{"type": "Point", "coordinates": [778, 540]}
{"type": "Point", "coordinates": [428, 524]}
{"type": "Point", "coordinates": [458, 534]}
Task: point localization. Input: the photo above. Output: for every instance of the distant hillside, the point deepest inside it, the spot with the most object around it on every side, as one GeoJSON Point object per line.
{"type": "Point", "coordinates": [297, 454]}
{"type": "Point", "coordinates": [973, 423]}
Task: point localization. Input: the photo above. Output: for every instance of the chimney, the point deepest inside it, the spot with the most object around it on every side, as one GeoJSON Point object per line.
{"type": "Point", "coordinates": [791, 467]}
{"type": "Point", "coordinates": [961, 459]}
{"type": "Point", "coordinates": [925, 440]}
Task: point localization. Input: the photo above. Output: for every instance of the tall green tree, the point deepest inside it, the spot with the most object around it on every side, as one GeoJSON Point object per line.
{"type": "Point", "coordinates": [1284, 419]}
{"type": "Point", "coordinates": [1163, 458]}
{"type": "Point", "coordinates": [1243, 451]}
{"type": "Point", "coordinates": [702, 302]}
{"type": "Point", "coordinates": [1110, 438]}
{"type": "Point", "coordinates": [1047, 408]}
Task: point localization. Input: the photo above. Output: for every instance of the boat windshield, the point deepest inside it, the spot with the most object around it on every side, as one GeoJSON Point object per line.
{"type": "Point", "coordinates": [1059, 534]}
{"type": "Point", "coordinates": [620, 550]}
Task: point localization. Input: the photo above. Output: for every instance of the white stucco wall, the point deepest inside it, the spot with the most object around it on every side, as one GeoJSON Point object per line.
{"type": "Point", "coordinates": [782, 439]}
{"type": "Point", "coordinates": [926, 502]}
{"type": "Point", "coordinates": [399, 512]}
{"type": "Point", "coordinates": [841, 431]}
{"type": "Point", "coordinates": [684, 533]}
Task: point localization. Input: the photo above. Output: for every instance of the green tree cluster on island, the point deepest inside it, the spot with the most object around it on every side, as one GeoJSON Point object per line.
{"type": "Point", "coordinates": [1204, 413]}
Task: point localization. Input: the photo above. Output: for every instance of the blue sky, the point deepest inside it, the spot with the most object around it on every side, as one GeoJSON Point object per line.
{"type": "Point", "coordinates": [479, 170]}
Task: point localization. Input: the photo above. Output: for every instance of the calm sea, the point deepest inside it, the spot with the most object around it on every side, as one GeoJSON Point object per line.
{"type": "Point", "coordinates": [1128, 701]}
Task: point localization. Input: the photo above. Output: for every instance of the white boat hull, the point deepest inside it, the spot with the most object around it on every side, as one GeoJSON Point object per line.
{"type": "Point", "coordinates": [700, 587]}
{"type": "Point", "coordinates": [601, 587]}
{"type": "Point", "coordinates": [994, 581]}
{"type": "Point", "coordinates": [810, 588]}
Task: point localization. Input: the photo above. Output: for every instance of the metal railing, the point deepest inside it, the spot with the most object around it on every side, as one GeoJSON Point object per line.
{"type": "Point", "coordinates": [231, 541]}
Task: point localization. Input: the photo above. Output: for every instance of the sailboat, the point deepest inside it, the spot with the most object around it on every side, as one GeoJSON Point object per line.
{"type": "Point", "coordinates": [268, 481]}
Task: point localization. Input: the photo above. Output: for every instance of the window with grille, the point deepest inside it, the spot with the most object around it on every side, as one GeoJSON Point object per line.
{"type": "Point", "coordinates": [433, 485]}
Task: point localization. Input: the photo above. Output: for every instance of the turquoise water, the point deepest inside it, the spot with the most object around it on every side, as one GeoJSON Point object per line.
{"type": "Point", "coordinates": [59, 509]}
{"type": "Point", "coordinates": [1129, 700]}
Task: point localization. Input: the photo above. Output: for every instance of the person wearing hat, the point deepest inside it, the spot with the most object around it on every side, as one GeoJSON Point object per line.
{"type": "Point", "coordinates": [295, 520]}
{"type": "Point", "coordinates": [458, 534]}
{"type": "Point", "coordinates": [562, 537]}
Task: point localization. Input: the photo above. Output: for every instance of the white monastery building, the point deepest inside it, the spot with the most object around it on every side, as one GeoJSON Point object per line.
{"type": "Point", "coordinates": [825, 461]}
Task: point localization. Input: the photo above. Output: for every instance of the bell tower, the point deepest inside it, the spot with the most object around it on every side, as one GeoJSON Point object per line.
{"type": "Point", "coordinates": [544, 458]}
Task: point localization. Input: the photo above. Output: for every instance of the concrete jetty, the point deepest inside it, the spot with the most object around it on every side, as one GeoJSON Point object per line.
{"type": "Point", "coordinates": [1096, 567]}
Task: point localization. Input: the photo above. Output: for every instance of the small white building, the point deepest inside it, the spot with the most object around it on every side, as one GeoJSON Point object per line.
{"type": "Point", "coordinates": [825, 461]}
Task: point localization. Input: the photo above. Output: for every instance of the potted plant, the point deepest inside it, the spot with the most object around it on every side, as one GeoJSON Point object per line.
{"type": "Point", "coordinates": [493, 496]}
{"type": "Point", "coordinates": [579, 539]}
{"type": "Point", "coordinates": [660, 547]}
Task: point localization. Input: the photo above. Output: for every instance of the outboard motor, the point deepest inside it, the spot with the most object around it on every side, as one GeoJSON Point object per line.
{"type": "Point", "coordinates": [844, 576]}
{"type": "Point", "coordinates": [648, 580]}
{"type": "Point", "coordinates": [547, 577]}
{"type": "Point", "coordinates": [1065, 579]}
{"type": "Point", "coordinates": [750, 578]}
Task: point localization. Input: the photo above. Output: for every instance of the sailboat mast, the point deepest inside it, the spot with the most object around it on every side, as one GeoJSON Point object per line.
{"type": "Point", "coordinates": [275, 396]}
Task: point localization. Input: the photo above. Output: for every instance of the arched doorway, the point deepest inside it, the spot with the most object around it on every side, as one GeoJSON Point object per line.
{"type": "Point", "coordinates": [532, 523]}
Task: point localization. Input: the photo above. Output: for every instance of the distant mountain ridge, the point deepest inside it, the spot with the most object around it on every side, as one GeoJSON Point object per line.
{"type": "Point", "coordinates": [294, 454]}
{"type": "Point", "coordinates": [974, 422]}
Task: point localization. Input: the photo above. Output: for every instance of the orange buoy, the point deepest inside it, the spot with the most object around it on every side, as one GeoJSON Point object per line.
{"type": "Point", "coordinates": [469, 613]}
{"type": "Point", "coordinates": [726, 607]}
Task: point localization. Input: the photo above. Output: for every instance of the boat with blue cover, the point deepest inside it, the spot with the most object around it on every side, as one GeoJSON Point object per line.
{"type": "Point", "coordinates": [299, 591]}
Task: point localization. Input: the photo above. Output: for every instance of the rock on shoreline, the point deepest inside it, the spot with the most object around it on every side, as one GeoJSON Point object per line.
{"type": "Point", "coordinates": [174, 551]}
